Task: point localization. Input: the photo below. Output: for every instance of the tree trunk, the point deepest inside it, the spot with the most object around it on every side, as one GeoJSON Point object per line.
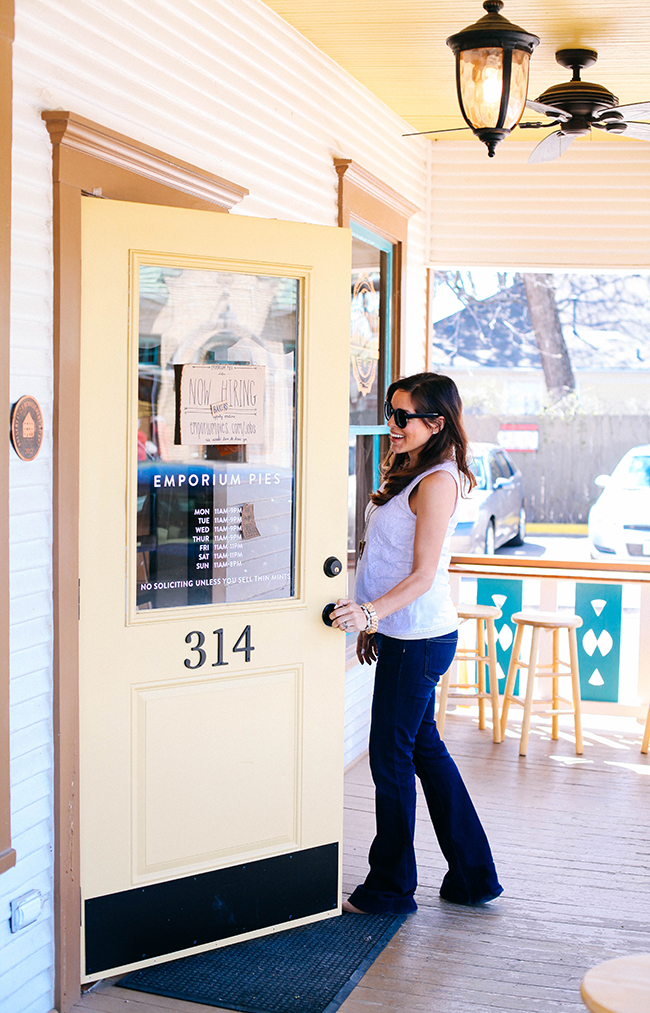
{"type": "Point", "coordinates": [553, 351]}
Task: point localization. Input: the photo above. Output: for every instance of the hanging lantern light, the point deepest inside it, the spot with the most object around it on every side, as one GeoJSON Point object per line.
{"type": "Point", "coordinates": [492, 61]}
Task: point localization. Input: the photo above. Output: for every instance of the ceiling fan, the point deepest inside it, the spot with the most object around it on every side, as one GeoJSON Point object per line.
{"type": "Point", "coordinates": [577, 106]}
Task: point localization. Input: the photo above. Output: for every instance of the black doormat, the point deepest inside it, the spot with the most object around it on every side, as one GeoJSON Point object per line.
{"type": "Point", "coordinates": [310, 969]}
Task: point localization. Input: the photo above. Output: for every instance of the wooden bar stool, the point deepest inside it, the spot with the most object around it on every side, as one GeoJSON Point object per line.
{"type": "Point", "coordinates": [538, 621]}
{"type": "Point", "coordinates": [618, 986]}
{"type": "Point", "coordinates": [484, 616]}
{"type": "Point", "coordinates": [646, 734]}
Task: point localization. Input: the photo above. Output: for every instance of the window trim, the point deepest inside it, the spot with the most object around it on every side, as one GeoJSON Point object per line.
{"type": "Point", "coordinates": [376, 212]}
{"type": "Point", "coordinates": [372, 204]}
{"type": "Point", "coordinates": [385, 344]}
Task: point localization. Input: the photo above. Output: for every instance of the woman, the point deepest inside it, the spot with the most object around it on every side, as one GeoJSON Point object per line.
{"type": "Point", "coordinates": [408, 624]}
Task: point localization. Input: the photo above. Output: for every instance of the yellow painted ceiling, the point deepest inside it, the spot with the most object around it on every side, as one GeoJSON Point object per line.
{"type": "Point", "coordinates": [396, 48]}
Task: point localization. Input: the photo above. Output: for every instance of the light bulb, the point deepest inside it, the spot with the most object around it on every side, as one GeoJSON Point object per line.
{"type": "Point", "coordinates": [492, 85]}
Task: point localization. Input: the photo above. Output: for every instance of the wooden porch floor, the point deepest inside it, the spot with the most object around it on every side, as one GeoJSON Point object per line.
{"type": "Point", "coordinates": [572, 845]}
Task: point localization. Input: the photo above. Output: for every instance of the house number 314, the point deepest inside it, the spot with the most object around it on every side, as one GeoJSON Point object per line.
{"type": "Point", "coordinates": [200, 656]}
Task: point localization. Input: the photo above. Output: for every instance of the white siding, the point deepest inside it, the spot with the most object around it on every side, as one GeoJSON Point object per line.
{"type": "Point", "coordinates": [588, 209]}
{"type": "Point", "coordinates": [26, 958]}
{"type": "Point", "coordinates": [232, 88]}
{"type": "Point", "coordinates": [358, 695]}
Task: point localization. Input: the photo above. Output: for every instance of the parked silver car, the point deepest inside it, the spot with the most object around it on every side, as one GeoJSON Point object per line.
{"type": "Point", "coordinates": [619, 520]}
{"type": "Point", "coordinates": [495, 512]}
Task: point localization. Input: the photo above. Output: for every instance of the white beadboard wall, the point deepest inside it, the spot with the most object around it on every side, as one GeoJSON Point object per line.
{"type": "Point", "coordinates": [232, 88]}
{"type": "Point", "coordinates": [359, 683]}
{"type": "Point", "coordinates": [588, 210]}
{"type": "Point", "coordinates": [26, 958]}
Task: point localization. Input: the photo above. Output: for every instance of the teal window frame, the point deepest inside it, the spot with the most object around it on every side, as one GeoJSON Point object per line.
{"type": "Point", "coordinates": [386, 347]}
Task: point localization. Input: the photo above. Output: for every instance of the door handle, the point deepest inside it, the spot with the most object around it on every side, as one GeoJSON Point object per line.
{"type": "Point", "coordinates": [325, 616]}
{"type": "Point", "coordinates": [332, 566]}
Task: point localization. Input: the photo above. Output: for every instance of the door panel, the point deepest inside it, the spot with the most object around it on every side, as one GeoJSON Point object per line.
{"type": "Point", "coordinates": [207, 726]}
{"type": "Point", "coordinates": [211, 693]}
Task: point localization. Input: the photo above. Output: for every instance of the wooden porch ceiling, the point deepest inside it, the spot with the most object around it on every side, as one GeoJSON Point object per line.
{"type": "Point", "coordinates": [398, 51]}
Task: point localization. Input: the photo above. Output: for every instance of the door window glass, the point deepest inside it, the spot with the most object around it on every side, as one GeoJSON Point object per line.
{"type": "Point", "coordinates": [215, 437]}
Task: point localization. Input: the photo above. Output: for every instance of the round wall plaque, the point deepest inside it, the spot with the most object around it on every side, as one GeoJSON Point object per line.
{"type": "Point", "coordinates": [27, 428]}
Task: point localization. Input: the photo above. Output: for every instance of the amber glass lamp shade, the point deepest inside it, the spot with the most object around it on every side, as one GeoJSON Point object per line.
{"type": "Point", "coordinates": [492, 61]}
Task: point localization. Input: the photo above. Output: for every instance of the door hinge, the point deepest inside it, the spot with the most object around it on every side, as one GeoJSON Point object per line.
{"type": "Point", "coordinates": [79, 599]}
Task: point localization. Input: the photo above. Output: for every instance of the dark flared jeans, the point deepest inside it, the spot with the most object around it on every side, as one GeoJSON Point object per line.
{"type": "Point", "coordinates": [404, 741]}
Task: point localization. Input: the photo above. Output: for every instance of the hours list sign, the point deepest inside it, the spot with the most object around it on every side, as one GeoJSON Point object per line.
{"type": "Point", "coordinates": [213, 533]}
{"type": "Point", "coordinates": [219, 403]}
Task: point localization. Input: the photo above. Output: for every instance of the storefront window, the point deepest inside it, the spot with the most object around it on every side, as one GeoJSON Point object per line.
{"type": "Point", "coordinates": [367, 313]}
{"type": "Point", "coordinates": [370, 372]}
{"type": "Point", "coordinates": [216, 437]}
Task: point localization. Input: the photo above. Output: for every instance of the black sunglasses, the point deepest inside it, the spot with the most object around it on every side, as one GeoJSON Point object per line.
{"type": "Point", "coordinates": [402, 417]}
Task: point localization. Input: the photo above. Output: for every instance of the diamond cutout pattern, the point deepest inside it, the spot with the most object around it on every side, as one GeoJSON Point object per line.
{"type": "Point", "coordinates": [603, 643]}
{"type": "Point", "coordinates": [505, 637]}
{"type": "Point", "coordinates": [599, 640]}
{"type": "Point", "coordinates": [507, 595]}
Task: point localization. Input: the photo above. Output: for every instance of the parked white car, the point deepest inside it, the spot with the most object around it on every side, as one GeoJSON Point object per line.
{"type": "Point", "coordinates": [495, 511]}
{"type": "Point", "coordinates": [619, 520]}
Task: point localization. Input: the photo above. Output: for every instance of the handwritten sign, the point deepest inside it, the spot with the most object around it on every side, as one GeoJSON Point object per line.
{"type": "Point", "coordinates": [220, 404]}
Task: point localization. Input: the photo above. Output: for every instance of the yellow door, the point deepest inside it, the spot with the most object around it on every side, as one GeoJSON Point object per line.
{"type": "Point", "coordinates": [213, 491]}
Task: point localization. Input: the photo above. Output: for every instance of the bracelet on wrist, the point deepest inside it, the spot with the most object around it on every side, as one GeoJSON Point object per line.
{"type": "Point", "coordinates": [371, 616]}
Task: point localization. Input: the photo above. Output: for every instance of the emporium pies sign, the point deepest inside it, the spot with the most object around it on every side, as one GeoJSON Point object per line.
{"type": "Point", "coordinates": [219, 403]}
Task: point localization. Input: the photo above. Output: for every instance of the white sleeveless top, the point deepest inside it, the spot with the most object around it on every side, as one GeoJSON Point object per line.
{"type": "Point", "coordinates": [388, 558]}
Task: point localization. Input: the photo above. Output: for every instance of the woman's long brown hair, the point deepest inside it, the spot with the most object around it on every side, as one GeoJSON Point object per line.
{"type": "Point", "coordinates": [436, 394]}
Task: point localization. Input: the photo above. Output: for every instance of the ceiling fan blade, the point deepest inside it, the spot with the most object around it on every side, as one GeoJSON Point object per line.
{"type": "Point", "coordinates": [641, 109]}
{"type": "Point", "coordinates": [551, 147]}
{"type": "Point", "coordinates": [449, 130]}
{"type": "Point", "coordinates": [640, 131]}
{"type": "Point", "coordinates": [552, 111]}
